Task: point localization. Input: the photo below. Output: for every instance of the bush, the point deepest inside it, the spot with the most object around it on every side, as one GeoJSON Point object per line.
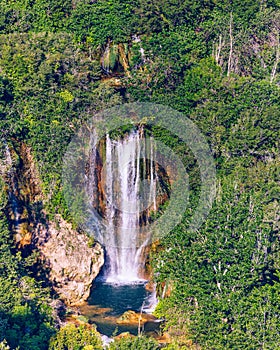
{"type": "Point", "coordinates": [71, 337]}
{"type": "Point", "coordinates": [139, 343]}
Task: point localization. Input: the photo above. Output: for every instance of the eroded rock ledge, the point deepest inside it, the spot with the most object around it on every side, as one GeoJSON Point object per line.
{"type": "Point", "coordinates": [73, 261]}
{"type": "Point", "coordinates": [68, 259]}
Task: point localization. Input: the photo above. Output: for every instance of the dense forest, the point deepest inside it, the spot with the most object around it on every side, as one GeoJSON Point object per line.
{"type": "Point", "coordinates": [215, 61]}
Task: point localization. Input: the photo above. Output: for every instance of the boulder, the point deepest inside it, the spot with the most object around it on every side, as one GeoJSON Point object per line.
{"type": "Point", "coordinates": [133, 318]}
{"type": "Point", "coordinates": [73, 263]}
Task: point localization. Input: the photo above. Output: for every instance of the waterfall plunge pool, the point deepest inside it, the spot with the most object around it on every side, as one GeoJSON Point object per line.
{"type": "Point", "coordinates": [125, 186]}
{"type": "Point", "coordinates": [108, 301]}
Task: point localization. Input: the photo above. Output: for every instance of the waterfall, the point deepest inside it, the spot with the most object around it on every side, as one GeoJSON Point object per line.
{"type": "Point", "coordinates": [128, 181]}
{"type": "Point", "coordinates": [151, 302]}
{"type": "Point", "coordinates": [124, 205]}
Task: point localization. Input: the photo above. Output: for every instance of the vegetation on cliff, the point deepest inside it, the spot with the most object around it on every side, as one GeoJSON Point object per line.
{"type": "Point", "coordinates": [217, 62]}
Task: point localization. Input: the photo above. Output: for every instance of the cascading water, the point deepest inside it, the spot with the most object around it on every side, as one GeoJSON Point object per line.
{"type": "Point", "coordinates": [128, 182]}
{"type": "Point", "coordinates": [125, 203]}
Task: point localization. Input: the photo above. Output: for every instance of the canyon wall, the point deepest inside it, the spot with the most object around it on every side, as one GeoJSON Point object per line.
{"type": "Point", "coordinates": [67, 259]}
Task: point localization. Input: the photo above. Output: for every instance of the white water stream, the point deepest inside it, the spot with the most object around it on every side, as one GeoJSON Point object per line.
{"type": "Point", "coordinates": [130, 188]}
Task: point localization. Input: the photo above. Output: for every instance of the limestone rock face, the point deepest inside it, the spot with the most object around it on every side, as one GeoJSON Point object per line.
{"type": "Point", "coordinates": [72, 261]}
{"type": "Point", "coordinates": [68, 259]}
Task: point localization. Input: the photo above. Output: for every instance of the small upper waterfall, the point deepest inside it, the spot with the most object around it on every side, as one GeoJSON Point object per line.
{"type": "Point", "coordinates": [126, 182]}
{"type": "Point", "coordinates": [125, 203]}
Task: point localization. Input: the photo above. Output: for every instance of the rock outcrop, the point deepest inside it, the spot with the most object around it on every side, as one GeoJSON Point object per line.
{"type": "Point", "coordinates": [68, 259]}
{"type": "Point", "coordinates": [73, 261]}
{"type": "Point", "coordinates": [133, 318]}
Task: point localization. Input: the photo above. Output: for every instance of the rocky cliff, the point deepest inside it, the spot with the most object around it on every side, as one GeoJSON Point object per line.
{"type": "Point", "coordinates": [69, 260]}
{"type": "Point", "coordinates": [73, 261]}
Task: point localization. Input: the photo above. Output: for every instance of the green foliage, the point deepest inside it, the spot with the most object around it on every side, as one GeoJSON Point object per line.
{"type": "Point", "coordinates": [231, 260]}
{"type": "Point", "coordinates": [71, 337]}
{"type": "Point", "coordinates": [38, 15]}
{"type": "Point", "coordinates": [102, 21]}
{"type": "Point", "coordinates": [54, 57]}
{"type": "Point", "coordinates": [61, 81]}
{"type": "Point", "coordinates": [25, 316]}
{"type": "Point", "coordinates": [91, 242]}
{"type": "Point", "coordinates": [138, 343]}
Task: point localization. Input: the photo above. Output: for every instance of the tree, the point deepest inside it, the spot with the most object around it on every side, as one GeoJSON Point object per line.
{"type": "Point", "coordinates": [71, 337]}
